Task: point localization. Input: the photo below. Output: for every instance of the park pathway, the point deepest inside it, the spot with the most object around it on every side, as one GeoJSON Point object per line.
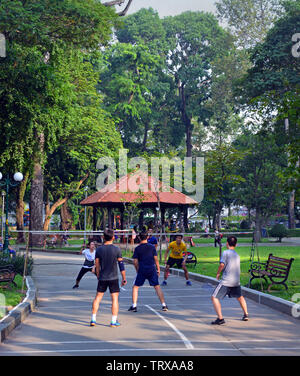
{"type": "Point", "coordinates": [60, 323]}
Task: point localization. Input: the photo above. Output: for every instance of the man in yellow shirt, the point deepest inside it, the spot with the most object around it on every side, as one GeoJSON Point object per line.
{"type": "Point", "coordinates": [176, 250]}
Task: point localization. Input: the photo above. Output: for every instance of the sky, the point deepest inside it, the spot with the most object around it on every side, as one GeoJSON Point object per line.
{"type": "Point", "coordinates": [172, 7]}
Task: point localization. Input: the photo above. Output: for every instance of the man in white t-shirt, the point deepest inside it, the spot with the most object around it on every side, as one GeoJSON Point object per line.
{"type": "Point", "coordinates": [89, 262]}
{"type": "Point", "coordinates": [230, 282]}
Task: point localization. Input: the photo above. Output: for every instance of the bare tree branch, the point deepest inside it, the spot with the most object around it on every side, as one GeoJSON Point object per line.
{"type": "Point", "coordinates": [112, 3]}
{"type": "Point", "coordinates": [119, 2]}
{"type": "Point", "coordinates": [125, 10]}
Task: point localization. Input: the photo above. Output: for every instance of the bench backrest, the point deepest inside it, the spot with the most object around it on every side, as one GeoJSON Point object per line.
{"type": "Point", "coordinates": [278, 266]}
{"type": "Point", "coordinates": [191, 256]}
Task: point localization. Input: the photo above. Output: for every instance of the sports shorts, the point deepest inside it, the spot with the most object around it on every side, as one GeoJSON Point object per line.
{"type": "Point", "coordinates": [172, 261]}
{"type": "Point", "coordinates": [221, 291]}
{"type": "Point", "coordinates": [150, 275]}
{"type": "Point", "coordinates": [113, 286]}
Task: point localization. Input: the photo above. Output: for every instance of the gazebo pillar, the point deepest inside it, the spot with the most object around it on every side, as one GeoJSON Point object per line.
{"type": "Point", "coordinates": [163, 212]}
{"type": "Point", "coordinates": [141, 219]}
{"type": "Point", "coordinates": [185, 218]}
{"type": "Point", "coordinates": [109, 219]}
{"type": "Point", "coordinates": [122, 218]}
{"type": "Point", "coordinates": [94, 218]}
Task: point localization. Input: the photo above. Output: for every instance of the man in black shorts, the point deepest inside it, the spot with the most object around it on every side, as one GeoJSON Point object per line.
{"type": "Point", "coordinates": [230, 283]}
{"type": "Point", "coordinates": [146, 264]}
{"type": "Point", "coordinates": [107, 259]}
{"type": "Point", "coordinates": [176, 249]}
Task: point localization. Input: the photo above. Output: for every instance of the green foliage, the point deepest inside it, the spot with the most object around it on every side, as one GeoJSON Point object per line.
{"type": "Point", "coordinates": [18, 263]}
{"type": "Point", "coordinates": [249, 20]}
{"type": "Point", "coordinates": [146, 28]}
{"type": "Point", "coordinates": [245, 225]}
{"type": "Point", "coordinates": [220, 172]}
{"type": "Point", "coordinates": [260, 188]}
{"type": "Point", "coordinates": [82, 23]}
{"type": "Point", "coordinates": [278, 231]}
{"type": "Point", "coordinates": [125, 79]}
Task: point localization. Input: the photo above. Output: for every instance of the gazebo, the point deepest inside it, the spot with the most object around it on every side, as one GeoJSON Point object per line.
{"type": "Point", "coordinates": [143, 190]}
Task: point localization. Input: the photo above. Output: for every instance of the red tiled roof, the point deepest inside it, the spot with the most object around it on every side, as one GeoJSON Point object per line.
{"type": "Point", "coordinates": [127, 187]}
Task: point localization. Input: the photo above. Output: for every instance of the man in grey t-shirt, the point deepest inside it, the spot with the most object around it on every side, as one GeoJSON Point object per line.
{"type": "Point", "coordinates": [230, 282]}
{"type": "Point", "coordinates": [108, 258]}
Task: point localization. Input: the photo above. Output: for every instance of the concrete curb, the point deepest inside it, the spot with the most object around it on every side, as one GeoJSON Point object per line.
{"type": "Point", "coordinates": [20, 312]}
{"type": "Point", "coordinates": [279, 304]}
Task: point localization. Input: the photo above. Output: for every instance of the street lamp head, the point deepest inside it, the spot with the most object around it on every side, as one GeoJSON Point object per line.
{"type": "Point", "coordinates": [0, 176]}
{"type": "Point", "coordinates": [18, 176]}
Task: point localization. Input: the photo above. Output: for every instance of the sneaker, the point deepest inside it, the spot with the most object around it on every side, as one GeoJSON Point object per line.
{"type": "Point", "coordinates": [165, 308]}
{"type": "Point", "coordinates": [218, 322]}
{"type": "Point", "coordinates": [245, 318]}
{"type": "Point", "coordinates": [114, 324]}
{"type": "Point", "coordinates": [164, 283]}
{"type": "Point", "coordinates": [75, 286]}
{"type": "Point", "coordinates": [133, 309]}
{"type": "Point", "coordinates": [92, 323]}
{"type": "Point", "coordinates": [189, 283]}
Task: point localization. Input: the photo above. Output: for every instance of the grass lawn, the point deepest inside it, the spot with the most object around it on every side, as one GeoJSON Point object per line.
{"type": "Point", "coordinates": [240, 240]}
{"type": "Point", "coordinates": [208, 260]}
{"type": "Point", "coordinates": [13, 295]}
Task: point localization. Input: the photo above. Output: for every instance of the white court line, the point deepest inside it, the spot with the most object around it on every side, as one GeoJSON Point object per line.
{"type": "Point", "coordinates": [112, 349]}
{"type": "Point", "coordinates": [152, 349]}
{"type": "Point", "coordinates": [187, 343]}
{"type": "Point", "coordinates": [154, 341]}
{"type": "Point", "coordinates": [84, 291]}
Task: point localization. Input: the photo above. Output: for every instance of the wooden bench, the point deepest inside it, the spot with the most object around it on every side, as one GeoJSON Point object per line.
{"type": "Point", "coordinates": [276, 269]}
{"type": "Point", "coordinates": [7, 274]}
{"type": "Point", "coordinates": [191, 259]}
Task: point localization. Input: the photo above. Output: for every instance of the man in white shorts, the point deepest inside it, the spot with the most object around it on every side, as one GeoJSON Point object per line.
{"type": "Point", "coordinates": [230, 282]}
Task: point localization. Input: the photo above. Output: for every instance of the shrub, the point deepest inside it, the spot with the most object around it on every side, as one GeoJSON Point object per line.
{"type": "Point", "coordinates": [18, 263]}
{"type": "Point", "coordinates": [278, 231]}
{"type": "Point", "coordinates": [245, 225]}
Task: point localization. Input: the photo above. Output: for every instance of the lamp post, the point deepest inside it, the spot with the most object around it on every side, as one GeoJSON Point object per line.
{"type": "Point", "coordinates": [7, 183]}
{"type": "Point", "coordinates": [2, 214]}
{"type": "Point", "coordinates": [85, 190]}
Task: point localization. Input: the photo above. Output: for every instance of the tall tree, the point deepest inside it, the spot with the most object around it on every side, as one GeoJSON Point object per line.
{"type": "Point", "coordinates": [40, 26]}
{"type": "Point", "coordinates": [195, 39]}
{"type": "Point", "coordinates": [125, 79]}
{"type": "Point", "coordinates": [248, 20]}
{"type": "Point", "coordinates": [162, 131]}
{"type": "Point", "coordinates": [260, 189]}
{"type": "Point", "coordinates": [90, 134]}
{"type": "Point", "coordinates": [274, 80]}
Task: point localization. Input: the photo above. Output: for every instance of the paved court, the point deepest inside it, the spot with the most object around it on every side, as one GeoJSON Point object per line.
{"type": "Point", "coordinates": [60, 323]}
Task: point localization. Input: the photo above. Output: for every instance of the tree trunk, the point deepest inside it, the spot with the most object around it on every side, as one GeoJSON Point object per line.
{"type": "Point", "coordinates": [291, 210]}
{"type": "Point", "coordinates": [36, 197]}
{"type": "Point", "coordinates": [145, 139]}
{"type": "Point", "coordinates": [66, 217]}
{"type": "Point", "coordinates": [186, 120]}
{"type": "Point", "coordinates": [50, 210]}
{"type": "Point", "coordinates": [188, 132]}
{"type": "Point", "coordinates": [258, 221]}
{"type": "Point", "coordinates": [20, 208]}
{"type": "Point", "coordinates": [291, 200]}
